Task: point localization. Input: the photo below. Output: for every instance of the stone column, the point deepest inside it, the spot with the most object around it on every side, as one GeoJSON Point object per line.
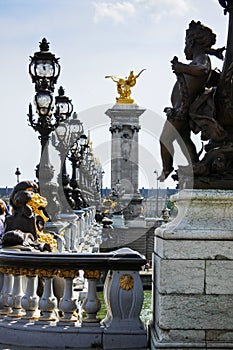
{"type": "Point", "coordinates": [192, 284]}
{"type": "Point", "coordinates": [124, 153]}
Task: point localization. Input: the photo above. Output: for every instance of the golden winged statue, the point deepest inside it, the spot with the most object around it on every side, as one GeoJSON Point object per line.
{"type": "Point", "coordinates": [124, 86]}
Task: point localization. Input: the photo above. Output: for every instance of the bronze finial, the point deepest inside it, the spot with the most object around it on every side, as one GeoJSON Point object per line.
{"type": "Point", "coordinates": [44, 45]}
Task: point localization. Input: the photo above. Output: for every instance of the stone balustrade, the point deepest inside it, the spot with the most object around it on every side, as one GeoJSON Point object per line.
{"type": "Point", "coordinates": [52, 316]}
{"type": "Point", "coordinates": [80, 231]}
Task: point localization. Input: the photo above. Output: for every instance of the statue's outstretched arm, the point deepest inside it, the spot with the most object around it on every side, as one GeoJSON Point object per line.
{"type": "Point", "coordinates": [190, 69]}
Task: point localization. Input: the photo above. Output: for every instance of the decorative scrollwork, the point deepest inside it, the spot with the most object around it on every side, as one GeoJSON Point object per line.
{"type": "Point", "coordinates": [126, 282]}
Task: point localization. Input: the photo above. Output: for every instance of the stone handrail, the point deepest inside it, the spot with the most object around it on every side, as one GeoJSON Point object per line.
{"type": "Point", "coordinates": [57, 320]}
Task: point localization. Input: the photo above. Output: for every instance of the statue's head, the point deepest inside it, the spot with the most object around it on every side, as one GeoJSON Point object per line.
{"type": "Point", "coordinates": [26, 199]}
{"type": "Point", "coordinates": [198, 35]}
{"type": "Point", "coordinates": [22, 193]}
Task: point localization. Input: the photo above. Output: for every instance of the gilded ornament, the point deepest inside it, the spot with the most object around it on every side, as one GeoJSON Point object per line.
{"type": "Point", "coordinates": [6, 269]}
{"type": "Point", "coordinates": [47, 238]}
{"type": "Point", "coordinates": [3, 269]}
{"type": "Point", "coordinates": [92, 274]}
{"type": "Point", "coordinates": [126, 282]}
{"type": "Point", "coordinates": [124, 86]}
{"type": "Point", "coordinates": [15, 271]}
{"type": "Point", "coordinates": [28, 272]}
{"type": "Point", "coordinates": [36, 203]}
{"type": "Point", "coordinates": [47, 273]}
{"type": "Point", "coordinates": [68, 273]}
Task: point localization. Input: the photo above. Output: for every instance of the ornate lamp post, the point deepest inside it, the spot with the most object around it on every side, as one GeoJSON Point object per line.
{"type": "Point", "coordinates": [17, 173]}
{"type": "Point", "coordinates": [66, 134]}
{"type": "Point", "coordinates": [64, 107]}
{"type": "Point", "coordinates": [76, 151]}
{"type": "Point", "coordinates": [44, 70]}
{"type": "Point", "coordinates": [76, 155]}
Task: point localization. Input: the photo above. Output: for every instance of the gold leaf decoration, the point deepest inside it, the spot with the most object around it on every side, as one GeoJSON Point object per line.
{"type": "Point", "coordinates": [47, 273]}
{"type": "Point", "coordinates": [68, 273]}
{"type": "Point", "coordinates": [126, 282]}
{"type": "Point", "coordinates": [28, 272]}
{"type": "Point", "coordinates": [92, 274]}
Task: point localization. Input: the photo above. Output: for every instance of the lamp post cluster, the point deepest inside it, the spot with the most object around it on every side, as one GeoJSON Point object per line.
{"type": "Point", "coordinates": [82, 189]}
{"type": "Point", "coordinates": [69, 139]}
{"type": "Point", "coordinates": [85, 180]}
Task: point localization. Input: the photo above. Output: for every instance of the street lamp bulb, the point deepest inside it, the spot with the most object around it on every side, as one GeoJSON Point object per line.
{"type": "Point", "coordinates": [43, 102]}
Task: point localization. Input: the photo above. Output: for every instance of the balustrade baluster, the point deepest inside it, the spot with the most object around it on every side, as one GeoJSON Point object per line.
{"type": "Point", "coordinates": [15, 298]}
{"type": "Point", "coordinates": [87, 225]}
{"type": "Point", "coordinates": [5, 309]}
{"type": "Point", "coordinates": [74, 238]}
{"type": "Point", "coordinates": [67, 238]}
{"type": "Point", "coordinates": [68, 304]}
{"type": "Point", "coordinates": [48, 302]}
{"type": "Point", "coordinates": [81, 224]}
{"type": "Point", "coordinates": [106, 292]}
{"type": "Point", "coordinates": [91, 303]}
{"type": "Point", "coordinates": [30, 300]}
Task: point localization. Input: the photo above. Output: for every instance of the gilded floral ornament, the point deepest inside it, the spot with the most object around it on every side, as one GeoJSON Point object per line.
{"type": "Point", "coordinates": [126, 282]}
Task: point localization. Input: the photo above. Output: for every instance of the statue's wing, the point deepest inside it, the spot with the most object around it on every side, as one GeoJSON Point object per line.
{"type": "Point", "coordinates": [112, 76]}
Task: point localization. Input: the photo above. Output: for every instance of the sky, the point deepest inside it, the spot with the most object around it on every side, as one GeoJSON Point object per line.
{"type": "Point", "coordinates": [95, 38]}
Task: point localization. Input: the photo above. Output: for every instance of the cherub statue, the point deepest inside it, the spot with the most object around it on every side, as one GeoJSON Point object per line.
{"type": "Point", "coordinates": [124, 86]}
{"type": "Point", "coordinates": [192, 98]}
{"type": "Point", "coordinates": [25, 228]}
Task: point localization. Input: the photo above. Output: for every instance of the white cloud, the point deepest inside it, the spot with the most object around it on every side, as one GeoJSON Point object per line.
{"type": "Point", "coordinates": [117, 12]}
{"type": "Point", "coordinates": [160, 9]}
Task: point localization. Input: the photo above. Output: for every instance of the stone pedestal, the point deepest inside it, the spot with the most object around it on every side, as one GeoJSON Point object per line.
{"type": "Point", "coordinates": [193, 278]}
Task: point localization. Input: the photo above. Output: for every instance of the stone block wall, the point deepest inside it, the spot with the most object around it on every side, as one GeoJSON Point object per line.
{"type": "Point", "coordinates": [193, 285]}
